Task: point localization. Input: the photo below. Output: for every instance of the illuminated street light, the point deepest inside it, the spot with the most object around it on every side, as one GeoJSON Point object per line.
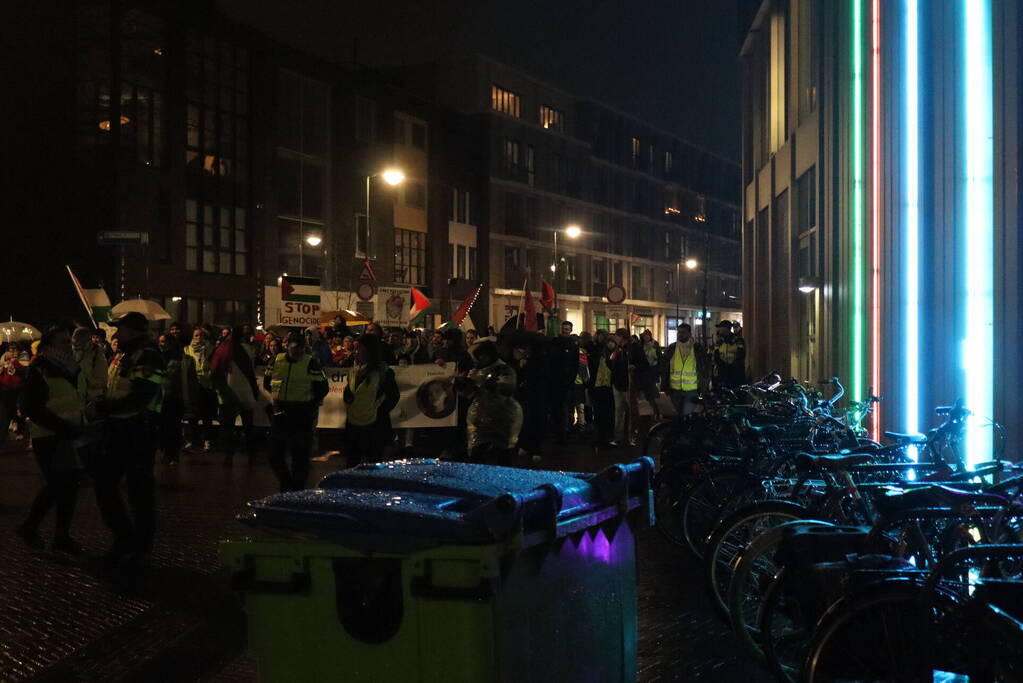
{"type": "Point", "coordinates": [573, 231]}
{"type": "Point", "coordinates": [692, 264]}
{"type": "Point", "coordinates": [392, 176]}
{"type": "Point", "coordinates": [313, 240]}
{"type": "Point", "coordinates": [807, 289]}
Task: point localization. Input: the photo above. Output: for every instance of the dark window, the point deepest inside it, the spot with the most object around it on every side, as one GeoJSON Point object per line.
{"type": "Point", "coordinates": [409, 256]}
{"type": "Point", "coordinates": [514, 268]}
{"type": "Point", "coordinates": [515, 215]}
{"type": "Point", "coordinates": [635, 152]}
{"type": "Point", "coordinates": [530, 165]}
{"type": "Point", "coordinates": [557, 174]}
{"type": "Point", "coordinates": [806, 196]}
{"type": "Point", "coordinates": [415, 194]}
{"type": "Point", "coordinates": [460, 206]}
{"type": "Point", "coordinates": [511, 157]}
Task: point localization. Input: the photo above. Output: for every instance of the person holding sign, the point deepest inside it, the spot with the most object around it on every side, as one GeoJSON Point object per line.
{"type": "Point", "coordinates": [297, 385]}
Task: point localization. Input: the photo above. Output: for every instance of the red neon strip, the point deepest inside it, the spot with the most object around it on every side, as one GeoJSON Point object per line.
{"type": "Point", "coordinates": [875, 204]}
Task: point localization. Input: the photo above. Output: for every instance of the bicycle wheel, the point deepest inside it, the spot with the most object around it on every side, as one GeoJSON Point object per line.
{"type": "Point", "coordinates": [733, 535]}
{"type": "Point", "coordinates": [657, 439]}
{"type": "Point", "coordinates": [873, 636]}
{"type": "Point", "coordinates": [670, 486]}
{"type": "Point", "coordinates": [784, 629]}
{"type": "Point", "coordinates": [702, 505]}
{"type": "Point", "coordinates": [751, 578]}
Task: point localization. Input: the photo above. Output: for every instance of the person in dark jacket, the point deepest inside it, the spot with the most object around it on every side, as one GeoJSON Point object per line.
{"type": "Point", "coordinates": [623, 364]}
{"type": "Point", "coordinates": [180, 396]}
{"type": "Point", "coordinates": [454, 351]}
{"type": "Point", "coordinates": [602, 389]}
{"type": "Point", "coordinates": [370, 394]}
{"type": "Point", "coordinates": [564, 369]}
{"type": "Point", "coordinates": [53, 399]}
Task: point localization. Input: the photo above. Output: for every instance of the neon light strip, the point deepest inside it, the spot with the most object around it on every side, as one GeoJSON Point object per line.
{"type": "Point", "coordinates": [978, 305]}
{"type": "Point", "coordinates": [857, 223]}
{"type": "Point", "coordinates": [875, 206]}
{"type": "Point", "coordinates": [911, 224]}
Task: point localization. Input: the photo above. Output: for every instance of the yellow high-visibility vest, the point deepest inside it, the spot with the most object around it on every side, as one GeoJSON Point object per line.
{"type": "Point", "coordinates": [363, 410]}
{"type": "Point", "coordinates": [65, 400]}
{"type": "Point", "coordinates": [682, 375]}
{"type": "Point", "coordinates": [119, 383]}
{"type": "Point", "coordinates": [292, 382]}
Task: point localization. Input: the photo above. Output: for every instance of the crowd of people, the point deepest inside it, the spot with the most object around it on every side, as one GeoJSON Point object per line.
{"type": "Point", "coordinates": [105, 407]}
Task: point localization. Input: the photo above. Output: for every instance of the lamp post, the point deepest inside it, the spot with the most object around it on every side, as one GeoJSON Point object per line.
{"type": "Point", "coordinates": [693, 264]}
{"type": "Point", "coordinates": [572, 232]}
{"type": "Point", "coordinates": [392, 177]}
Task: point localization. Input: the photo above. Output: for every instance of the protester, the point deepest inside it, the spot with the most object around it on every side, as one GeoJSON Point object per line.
{"type": "Point", "coordinates": [531, 376]}
{"type": "Point", "coordinates": [271, 348]}
{"type": "Point", "coordinates": [386, 352]}
{"type": "Point", "coordinates": [604, 413]}
{"type": "Point", "coordinates": [621, 365]}
{"type": "Point", "coordinates": [12, 378]}
{"type": "Point", "coordinates": [234, 377]}
{"type": "Point", "coordinates": [131, 407]}
{"type": "Point", "coordinates": [92, 362]}
{"type": "Point", "coordinates": [200, 350]}
{"type": "Point", "coordinates": [453, 351]}
{"type": "Point", "coordinates": [412, 351]}
{"type": "Point", "coordinates": [564, 367]}
{"type": "Point", "coordinates": [54, 399]}
{"type": "Point", "coordinates": [729, 357]}
{"type": "Point", "coordinates": [316, 346]}
{"type": "Point", "coordinates": [681, 370]}
{"type": "Point", "coordinates": [494, 417]}
{"type": "Point", "coordinates": [297, 385]}
{"type": "Point", "coordinates": [471, 337]}
{"type": "Point", "coordinates": [180, 395]}
{"type": "Point", "coordinates": [370, 394]}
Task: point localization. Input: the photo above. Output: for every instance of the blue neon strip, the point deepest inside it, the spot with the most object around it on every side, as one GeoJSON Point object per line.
{"type": "Point", "coordinates": [977, 351]}
{"type": "Point", "coordinates": [911, 220]}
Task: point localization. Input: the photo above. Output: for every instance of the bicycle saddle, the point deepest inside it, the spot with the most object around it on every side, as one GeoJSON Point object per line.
{"type": "Point", "coordinates": [833, 461]}
{"type": "Point", "coordinates": [898, 500]}
{"type": "Point", "coordinates": [912, 439]}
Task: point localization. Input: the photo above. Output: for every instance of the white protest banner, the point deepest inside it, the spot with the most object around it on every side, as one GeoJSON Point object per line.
{"type": "Point", "coordinates": [427, 397]}
{"type": "Point", "coordinates": [392, 305]}
{"type": "Point", "coordinates": [289, 313]}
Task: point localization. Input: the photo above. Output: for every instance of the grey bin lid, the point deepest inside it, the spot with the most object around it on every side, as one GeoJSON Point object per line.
{"type": "Point", "coordinates": [405, 504]}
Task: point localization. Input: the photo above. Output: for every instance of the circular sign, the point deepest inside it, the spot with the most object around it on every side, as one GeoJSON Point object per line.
{"type": "Point", "coordinates": [365, 291]}
{"type": "Point", "coordinates": [436, 398]}
{"type": "Point", "coordinates": [615, 294]}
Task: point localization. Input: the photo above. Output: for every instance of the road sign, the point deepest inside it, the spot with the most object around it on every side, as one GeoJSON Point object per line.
{"type": "Point", "coordinates": [615, 294]}
{"type": "Point", "coordinates": [367, 273]}
{"type": "Point", "coordinates": [365, 291]}
{"type": "Point", "coordinates": [122, 238]}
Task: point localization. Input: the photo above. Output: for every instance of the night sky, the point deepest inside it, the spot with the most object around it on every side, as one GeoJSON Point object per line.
{"type": "Point", "coordinates": [672, 62]}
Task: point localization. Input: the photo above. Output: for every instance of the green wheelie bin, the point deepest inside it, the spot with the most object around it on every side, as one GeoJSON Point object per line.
{"type": "Point", "coordinates": [439, 572]}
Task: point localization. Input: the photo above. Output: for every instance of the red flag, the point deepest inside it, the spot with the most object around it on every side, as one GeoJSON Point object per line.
{"type": "Point", "coordinates": [463, 310]}
{"type": "Point", "coordinates": [547, 296]}
{"type": "Point", "coordinates": [530, 311]}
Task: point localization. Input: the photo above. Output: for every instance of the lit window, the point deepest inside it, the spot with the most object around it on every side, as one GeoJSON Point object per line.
{"type": "Point", "coordinates": [551, 118]}
{"type": "Point", "coordinates": [505, 101]}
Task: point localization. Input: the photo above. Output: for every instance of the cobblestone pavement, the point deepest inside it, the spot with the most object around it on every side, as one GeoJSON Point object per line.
{"type": "Point", "coordinates": [60, 622]}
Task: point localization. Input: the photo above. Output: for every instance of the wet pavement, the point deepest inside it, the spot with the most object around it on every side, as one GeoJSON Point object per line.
{"type": "Point", "coordinates": [59, 621]}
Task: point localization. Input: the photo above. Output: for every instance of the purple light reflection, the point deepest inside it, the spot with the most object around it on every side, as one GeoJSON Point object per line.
{"type": "Point", "coordinates": [594, 545]}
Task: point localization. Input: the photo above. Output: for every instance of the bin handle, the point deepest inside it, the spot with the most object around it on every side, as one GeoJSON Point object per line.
{"type": "Point", "coordinates": [422, 587]}
{"type": "Point", "coordinates": [246, 581]}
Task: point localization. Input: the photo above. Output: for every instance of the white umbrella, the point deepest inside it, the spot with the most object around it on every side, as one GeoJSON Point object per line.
{"type": "Point", "coordinates": [15, 331]}
{"type": "Point", "coordinates": [152, 310]}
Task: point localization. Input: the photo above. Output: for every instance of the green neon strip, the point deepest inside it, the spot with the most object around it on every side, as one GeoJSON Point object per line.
{"type": "Point", "coordinates": [857, 321]}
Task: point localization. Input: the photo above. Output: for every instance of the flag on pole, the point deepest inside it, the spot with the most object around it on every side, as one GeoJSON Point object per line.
{"type": "Point", "coordinates": [529, 308]}
{"type": "Point", "coordinates": [301, 289]}
{"type": "Point", "coordinates": [419, 305]}
{"type": "Point", "coordinates": [547, 296]}
{"type": "Point", "coordinates": [96, 301]}
{"type": "Point", "coordinates": [463, 309]}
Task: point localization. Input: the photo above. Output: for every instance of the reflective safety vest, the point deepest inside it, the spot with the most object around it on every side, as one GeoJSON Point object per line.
{"type": "Point", "coordinates": [202, 365]}
{"type": "Point", "coordinates": [126, 369]}
{"type": "Point", "coordinates": [292, 382]}
{"type": "Point", "coordinates": [682, 372]}
{"type": "Point", "coordinates": [727, 353]}
{"type": "Point", "coordinates": [363, 410]}
{"type": "Point", "coordinates": [65, 400]}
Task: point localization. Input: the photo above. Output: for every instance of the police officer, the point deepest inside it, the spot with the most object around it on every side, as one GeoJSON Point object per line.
{"type": "Point", "coordinates": [297, 385]}
{"type": "Point", "coordinates": [131, 409]}
{"type": "Point", "coordinates": [729, 357]}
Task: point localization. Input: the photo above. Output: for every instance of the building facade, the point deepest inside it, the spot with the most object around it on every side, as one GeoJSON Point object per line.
{"type": "Point", "coordinates": [881, 205]}
{"type": "Point", "coordinates": [645, 202]}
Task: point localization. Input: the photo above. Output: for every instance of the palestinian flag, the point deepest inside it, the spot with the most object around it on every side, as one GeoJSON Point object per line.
{"type": "Point", "coordinates": [467, 303]}
{"type": "Point", "coordinates": [304, 289]}
{"type": "Point", "coordinates": [547, 296]}
{"type": "Point", "coordinates": [529, 320]}
{"type": "Point", "coordinates": [419, 305]}
{"type": "Point", "coordinates": [96, 301]}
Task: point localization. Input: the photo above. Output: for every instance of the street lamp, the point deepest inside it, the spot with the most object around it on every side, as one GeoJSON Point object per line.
{"type": "Point", "coordinates": [693, 264]}
{"type": "Point", "coordinates": [572, 232]}
{"type": "Point", "coordinates": [392, 177]}
{"type": "Point", "coordinates": [313, 240]}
